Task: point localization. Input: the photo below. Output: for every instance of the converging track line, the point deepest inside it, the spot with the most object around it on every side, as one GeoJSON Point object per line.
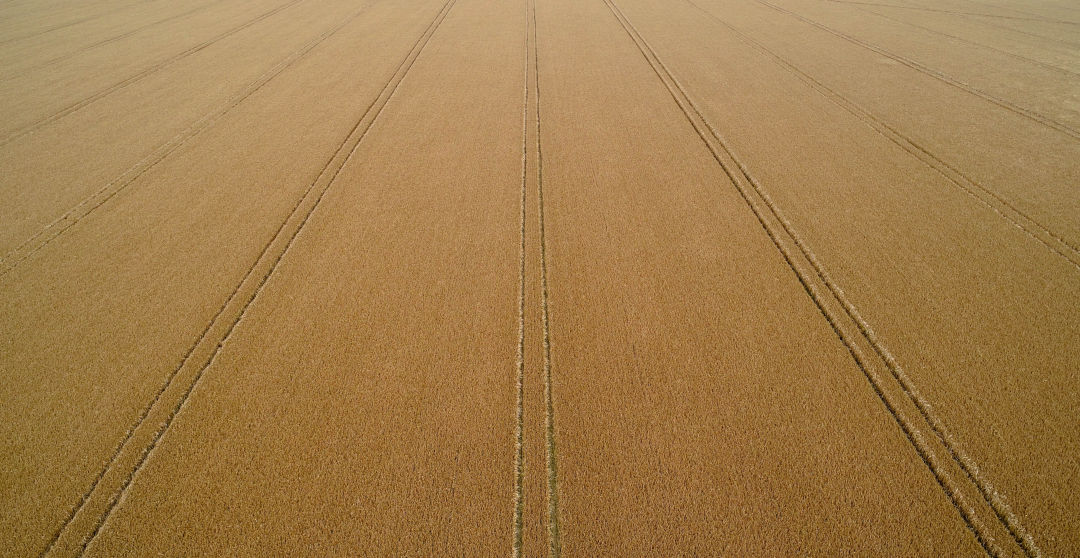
{"type": "Point", "coordinates": [953, 12]}
{"type": "Point", "coordinates": [91, 203]}
{"type": "Point", "coordinates": [519, 439]}
{"type": "Point", "coordinates": [104, 42]}
{"type": "Point", "coordinates": [283, 239]}
{"type": "Point", "coordinates": [554, 542]}
{"type": "Point", "coordinates": [28, 128]}
{"type": "Point", "coordinates": [69, 24]}
{"type": "Point", "coordinates": [300, 54]}
{"type": "Point", "coordinates": [993, 499]}
{"type": "Point", "coordinates": [938, 75]}
{"type": "Point", "coordinates": [988, 198]}
{"type": "Point", "coordinates": [1026, 59]}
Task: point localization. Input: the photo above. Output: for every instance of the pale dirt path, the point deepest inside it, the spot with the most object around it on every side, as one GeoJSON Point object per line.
{"type": "Point", "coordinates": [46, 174]}
{"type": "Point", "coordinates": [689, 415]}
{"type": "Point", "coordinates": [393, 434]}
{"type": "Point", "coordinates": [107, 312]}
{"type": "Point", "coordinates": [980, 315]}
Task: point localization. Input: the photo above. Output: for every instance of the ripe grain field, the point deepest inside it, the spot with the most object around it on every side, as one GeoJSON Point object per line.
{"type": "Point", "coordinates": [539, 277]}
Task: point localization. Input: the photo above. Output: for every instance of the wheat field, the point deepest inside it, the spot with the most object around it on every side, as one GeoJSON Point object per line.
{"type": "Point", "coordinates": [539, 277]}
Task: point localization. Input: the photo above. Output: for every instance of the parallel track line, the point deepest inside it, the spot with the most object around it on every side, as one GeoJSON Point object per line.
{"type": "Point", "coordinates": [1039, 63]}
{"type": "Point", "coordinates": [554, 540]}
{"type": "Point", "coordinates": [519, 440]}
{"type": "Point", "coordinates": [66, 25]}
{"type": "Point", "coordinates": [988, 198]}
{"type": "Point", "coordinates": [327, 176]}
{"type": "Point", "coordinates": [91, 203]}
{"type": "Point", "coordinates": [993, 499]}
{"type": "Point", "coordinates": [954, 12]}
{"type": "Point", "coordinates": [102, 93]}
{"type": "Point", "coordinates": [103, 42]}
{"type": "Point", "coordinates": [936, 74]}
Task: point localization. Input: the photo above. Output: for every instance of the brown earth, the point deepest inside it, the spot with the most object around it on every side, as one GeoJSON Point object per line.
{"type": "Point", "coordinates": [613, 277]}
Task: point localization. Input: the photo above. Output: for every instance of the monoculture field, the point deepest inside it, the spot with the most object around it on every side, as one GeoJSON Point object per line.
{"type": "Point", "coordinates": [479, 277]}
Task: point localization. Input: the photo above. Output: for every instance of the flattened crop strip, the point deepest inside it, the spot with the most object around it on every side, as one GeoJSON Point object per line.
{"type": "Point", "coordinates": [926, 453]}
{"type": "Point", "coordinates": [237, 304]}
{"type": "Point", "coordinates": [938, 75]}
{"type": "Point", "coordinates": [554, 543]}
{"type": "Point", "coordinates": [988, 198]}
{"type": "Point", "coordinates": [18, 133]}
{"type": "Point", "coordinates": [88, 205]}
